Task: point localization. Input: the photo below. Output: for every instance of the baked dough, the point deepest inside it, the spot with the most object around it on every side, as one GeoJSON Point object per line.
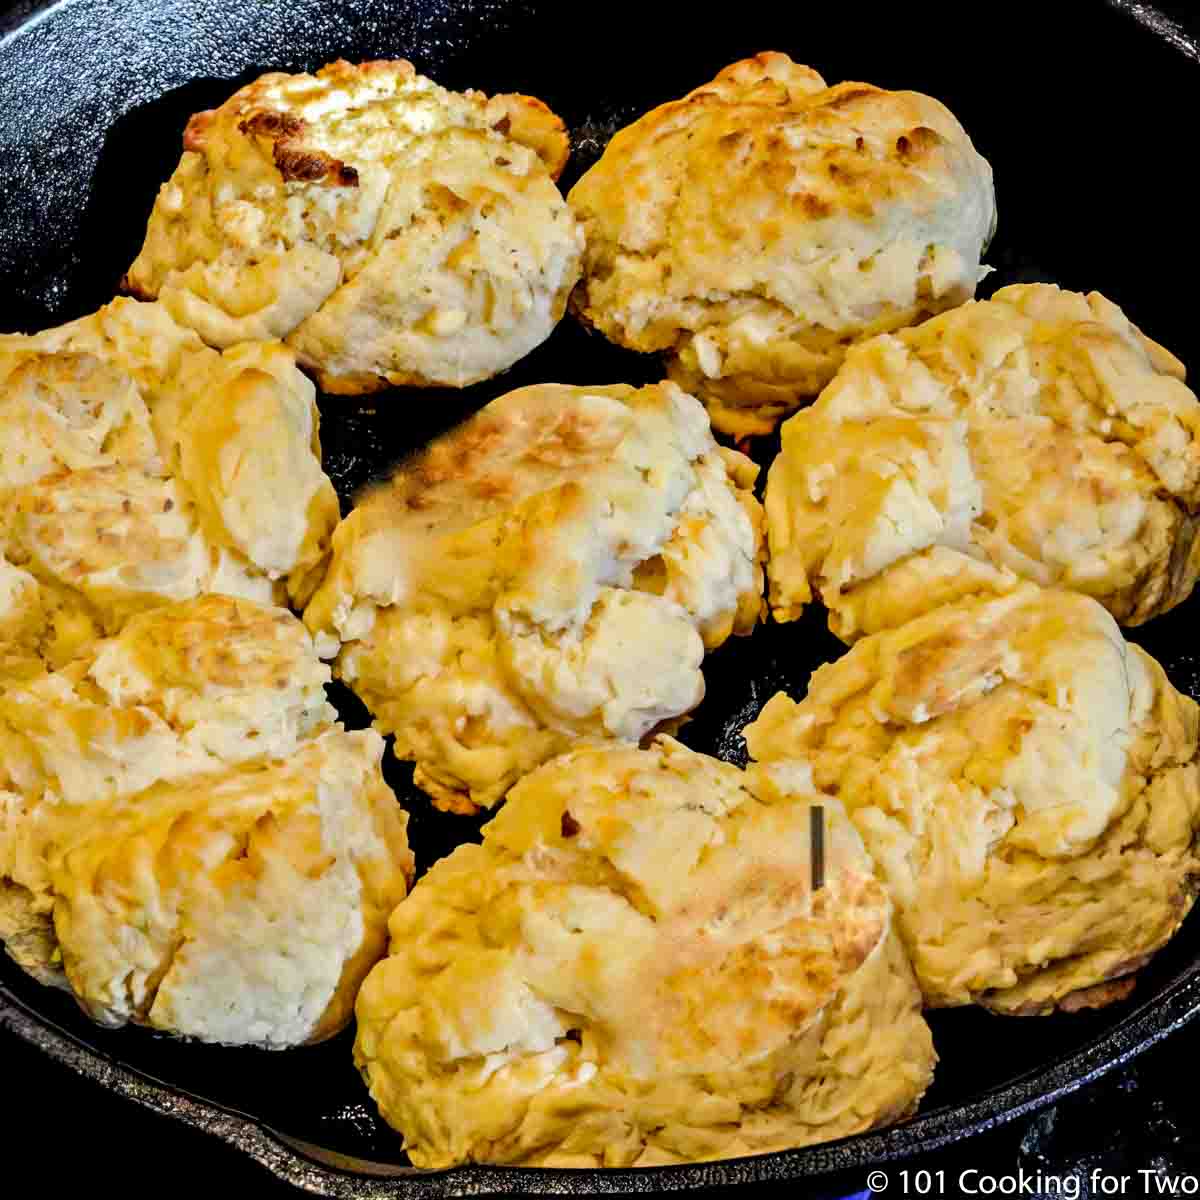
{"type": "Point", "coordinates": [187, 841]}
{"type": "Point", "coordinates": [633, 970]}
{"type": "Point", "coordinates": [181, 690]}
{"type": "Point", "coordinates": [756, 228]}
{"type": "Point", "coordinates": [1027, 784]}
{"type": "Point", "coordinates": [392, 231]}
{"type": "Point", "coordinates": [138, 467]}
{"type": "Point", "coordinates": [553, 569]}
{"type": "Point", "coordinates": [1038, 435]}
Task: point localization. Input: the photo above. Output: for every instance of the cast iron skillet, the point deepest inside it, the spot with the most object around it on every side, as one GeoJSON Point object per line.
{"type": "Point", "coordinates": [1084, 109]}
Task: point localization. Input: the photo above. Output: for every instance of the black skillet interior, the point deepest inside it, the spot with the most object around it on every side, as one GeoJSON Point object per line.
{"type": "Point", "coordinates": [1084, 113]}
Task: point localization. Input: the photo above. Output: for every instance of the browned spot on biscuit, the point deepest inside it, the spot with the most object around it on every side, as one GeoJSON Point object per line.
{"type": "Point", "coordinates": [313, 166]}
{"type": "Point", "coordinates": [918, 143]}
{"type": "Point", "coordinates": [447, 199]}
{"type": "Point", "coordinates": [850, 95]}
{"type": "Point", "coordinates": [811, 206]}
{"type": "Point", "coordinates": [129, 288]}
{"type": "Point", "coordinates": [268, 123]}
{"type": "Point", "coordinates": [196, 130]}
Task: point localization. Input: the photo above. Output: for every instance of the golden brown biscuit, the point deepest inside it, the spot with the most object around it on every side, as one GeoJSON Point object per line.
{"type": "Point", "coordinates": [633, 969]}
{"type": "Point", "coordinates": [392, 231]}
{"type": "Point", "coordinates": [756, 228]}
{"type": "Point", "coordinates": [553, 569]}
{"type": "Point", "coordinates": [243, 906]}
{"type": "Point", "coordinates": [186, 840]}
{"type": "Point", "coordinates": [181, 690]}
{"type": "Point", "coordinates": [138, 467]}
{"type": "Point", "coordinates": [1037, 435]}
{"type": "Point", "coordinates": [1027, 784]}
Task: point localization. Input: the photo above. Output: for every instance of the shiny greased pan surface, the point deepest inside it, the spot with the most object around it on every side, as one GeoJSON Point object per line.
{"type": "Point", "coordinates": [1086, 111]}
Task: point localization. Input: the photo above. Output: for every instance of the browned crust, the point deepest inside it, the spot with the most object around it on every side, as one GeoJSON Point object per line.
{"type": "Point", "coordinates": [443, 798]}
{"type": "Point", "coordinates": [294, 160]}
{"type": "Point", "coordinates": [1098, 996]}
{"type": "Point", "coordinates": [268, 123]}
{"type": "Point", "coordinates": [918, 144]}
{"type": "Point", "coordinates": [847, 93]}
{"type": "Point", "coordinates": [522, 119]}
{"type": "Point", "coordinates": [130, 287]}
{"type": "Point", "coordinates": [340, 68]}
{"type": "Point", "coordinates": [1117, 987]}
{"type": "Point", "coordinates": [529, 122]}
{"type": "Point", "coordinates": [769, 71]}
{"type": "Point", "coordinates": [195, 133]}
{"type": "Point", "coordinates": [313, 166]}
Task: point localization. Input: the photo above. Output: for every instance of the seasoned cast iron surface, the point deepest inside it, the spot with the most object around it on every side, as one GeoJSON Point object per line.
{"type": "Point", "coordinates": [1084, 114]}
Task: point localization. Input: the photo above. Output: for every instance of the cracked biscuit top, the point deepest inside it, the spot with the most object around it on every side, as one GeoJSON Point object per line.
{"type": "Point", "coordinates": [1037, 435]}
{"type": "Point", "coordinates": [757, 227]}
{"type": "Point", "coordinates": [187, 840]}
{"type": "Point", "coordinates": [138, 467]}
{"type": "Point", "coordinates": [633, 969]}
{"type": "Point", "coordinates": [1027, 784]}
{"type": "Point", "coordinates": [552, 569]}
{"type": "Point", "coordinates": [393, 232]}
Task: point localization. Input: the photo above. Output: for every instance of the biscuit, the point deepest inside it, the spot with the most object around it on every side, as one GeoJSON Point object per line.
{"type": "Point", "coordinates": [553, 569]}
{"type": "Point", "coordinates": [393, 232]}
{"type": "Point", "coordinates": [139, 467]}
{"type": "Point", "coordinates": [633, 969]}
{"type": "Point", "coordinates": [182, 689]}
{"type": "Point", "coordinates": [242, 907]}
{"type": "Point", "coordinates": [187, 841]}
{"type": "Point", "coordinates": [1037, 435]}
{"type": "Point", "coordinates": [755, 229]}
{"type": "Point", "coordinates": [1027, 784]}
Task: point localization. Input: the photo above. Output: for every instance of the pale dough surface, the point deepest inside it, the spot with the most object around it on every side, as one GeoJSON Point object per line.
{"type": "Point", "coordinates": [553, 569]}
{"type": "Point", "coordinates": [393, 232]}
{"type": "Point", "coordinates": [633, 969]}
{"type": "Point", "coordinates": [756, 228]}
{"type": "Point", "coordinates": [1027, 784]}
{"type": "Point", "coordinates": [1037, 435]}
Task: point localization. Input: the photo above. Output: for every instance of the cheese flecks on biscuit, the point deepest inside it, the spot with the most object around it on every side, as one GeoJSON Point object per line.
{"type": "Point", "coordinates": [1037, 435]}
{"type": "Point", "coordinates": [138, 467]}
{"type": "Point", "coordinates": [633, 969]}
{"type": "Point", "coordinates": [1027, 784]}
{"type": "Point", "coordinates": [756, 228]}
{"type": "Point", "coordinates": [187, 840]}
{"type": "Point", "coordinates": [553, 569]}
{"type": "Point", "coordinates": [393, 232]}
